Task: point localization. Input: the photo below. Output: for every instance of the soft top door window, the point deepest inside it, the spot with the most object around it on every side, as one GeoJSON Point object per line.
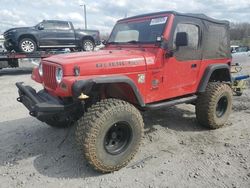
{"type": "Point", "coordinates": [193, 34]}
{"type": "Point", "coordinates": [192, 51]}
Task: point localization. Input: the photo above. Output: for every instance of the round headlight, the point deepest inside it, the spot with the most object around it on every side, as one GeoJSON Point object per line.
{"type": "Point", "coordinates": [59, 75]}
{"type": "Point", "coordinates": [40, 69]}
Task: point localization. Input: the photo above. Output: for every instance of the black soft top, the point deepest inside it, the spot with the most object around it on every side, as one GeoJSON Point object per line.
{"type": "Point", "coordinates": [199, 16]}
{"type": "Point", "coordinates": [215, 43]}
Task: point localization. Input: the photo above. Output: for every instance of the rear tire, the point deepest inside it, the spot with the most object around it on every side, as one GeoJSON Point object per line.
{"type": "Point", "coordinates": [88, 45]}
{"type": "Point", "coordinates": [27, 45]}
{"type": "Point", "coordinates": [213, 107]}
{"type": "Point", "coordinates": [110, 134]}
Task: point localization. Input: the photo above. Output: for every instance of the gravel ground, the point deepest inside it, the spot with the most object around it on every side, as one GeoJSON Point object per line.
{"type": "Point", "coordinates": [176, 151]}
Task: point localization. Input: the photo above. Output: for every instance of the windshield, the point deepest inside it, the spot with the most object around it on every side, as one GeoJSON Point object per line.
{"type": "Point", "coordinates": [37, 25]}
{"type": "Point", "coordinates": [146, 31]}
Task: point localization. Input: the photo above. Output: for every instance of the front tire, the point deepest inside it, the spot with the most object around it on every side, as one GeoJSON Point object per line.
{"type": "Point", "coordinates": [110, 134]}
{"type": "Point", "coordinates": [213, 107]}
{"type": "Point", "coordinates": [27, 45]}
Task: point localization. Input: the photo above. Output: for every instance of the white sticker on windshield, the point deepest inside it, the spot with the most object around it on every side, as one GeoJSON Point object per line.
{"type": "Point", "coordinates": [157, 21]}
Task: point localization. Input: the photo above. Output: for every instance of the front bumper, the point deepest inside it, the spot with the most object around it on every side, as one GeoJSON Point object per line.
{"type": "Point", "coordinates": [41, 104]}
{"type": "Point", "coordinates": [10, 41]}
{"type": "Point", "coordinates": [8, 45]}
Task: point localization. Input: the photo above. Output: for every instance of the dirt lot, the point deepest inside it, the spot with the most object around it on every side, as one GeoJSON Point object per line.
{"type": "Point", "coordinates": [176, 151]}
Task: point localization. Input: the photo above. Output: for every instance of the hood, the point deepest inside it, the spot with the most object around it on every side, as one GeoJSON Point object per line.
{"type": "Point", "coordinates": [103, 62]}
{"type": "Point", "coordinates": [18, 28]}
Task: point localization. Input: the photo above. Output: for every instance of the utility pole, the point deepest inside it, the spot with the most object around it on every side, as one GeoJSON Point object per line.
{"type": "Point", "coordinates": [85, 16]}
{"type": "Point", "coordinates": [84, 12]}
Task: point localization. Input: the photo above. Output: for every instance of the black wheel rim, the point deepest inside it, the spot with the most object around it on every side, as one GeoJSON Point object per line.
{"type": "Point", "coordinates": [117, 138]}
{"type": "Point", "coordinates": [221, 107]}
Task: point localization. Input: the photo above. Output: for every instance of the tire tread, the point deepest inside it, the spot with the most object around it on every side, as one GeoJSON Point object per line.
{"type": "Point", "coordinates": [206, 103]}
{"type": "Point", "coordinates": [88, 126]}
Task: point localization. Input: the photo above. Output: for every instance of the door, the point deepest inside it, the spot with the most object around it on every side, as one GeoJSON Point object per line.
{"type": "Point", "coordinates": [48, 35]}
{"type": "Point", "coordinates": [65, 34]}
{"type": "Point", "coordinates": [181, 70]}
{"type": "Point", "coordinates": [56, 34]}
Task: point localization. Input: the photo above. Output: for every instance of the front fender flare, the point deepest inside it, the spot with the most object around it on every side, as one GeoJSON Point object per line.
{"type": "Point", "coordinates": [86, 86]}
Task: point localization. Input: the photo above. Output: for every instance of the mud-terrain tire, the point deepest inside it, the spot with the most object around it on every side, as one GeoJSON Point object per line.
{"type": "Point", "coordinates": [109, 134]}
{"type": "Point", "coordinates": [213, 107]}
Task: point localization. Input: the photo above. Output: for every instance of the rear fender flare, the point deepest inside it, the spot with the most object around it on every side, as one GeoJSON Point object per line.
{"type": "Point", "coordinates": [208, 73]}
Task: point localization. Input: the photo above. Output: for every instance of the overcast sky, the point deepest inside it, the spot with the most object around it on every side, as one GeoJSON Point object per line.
{"type": "Point", "coordinates": [102, 14]}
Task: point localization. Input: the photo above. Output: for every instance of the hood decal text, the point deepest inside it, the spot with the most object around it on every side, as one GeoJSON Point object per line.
{"type": "Point", "coordinates": [120, 63]}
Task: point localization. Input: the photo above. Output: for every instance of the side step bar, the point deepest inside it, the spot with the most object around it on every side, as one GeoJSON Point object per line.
{"type": "Point", "coordinates": [159, 105]}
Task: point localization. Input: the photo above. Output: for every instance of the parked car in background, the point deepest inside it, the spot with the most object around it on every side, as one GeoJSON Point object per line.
{"type": "Point", "coordinates": [50, 34]}
{"type": "Point", "coordinates": [233, 48]}
{"type": "Point", "coordinates": [241, 50]}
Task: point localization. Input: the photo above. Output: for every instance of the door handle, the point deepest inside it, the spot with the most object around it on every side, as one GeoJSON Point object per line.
{"type": "Point", "coordinates": [193, 65]}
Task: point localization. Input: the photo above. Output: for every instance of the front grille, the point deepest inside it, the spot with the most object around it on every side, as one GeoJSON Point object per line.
{"type": "Point", "coordinates": [49, 77]}
{"type": "Point", "coordinates": [7, 35]}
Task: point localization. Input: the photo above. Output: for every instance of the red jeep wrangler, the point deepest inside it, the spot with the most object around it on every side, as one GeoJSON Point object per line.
{"type": "Point", "coordinates": [150, 62]}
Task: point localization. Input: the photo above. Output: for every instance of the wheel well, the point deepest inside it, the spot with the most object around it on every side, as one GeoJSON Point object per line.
{"type": "Point", "coordinates": [122, 91]}
{"type": "Point", "coordinates": [220, 75]}
{"type": "Point", "coordinates": [88, 38]}
{"type": "Point", "coordinates": [119, 87]}
{"type": "Point", "coordinates": [27, 36]}
{"type": "Point", "coordinates": [214, 73]}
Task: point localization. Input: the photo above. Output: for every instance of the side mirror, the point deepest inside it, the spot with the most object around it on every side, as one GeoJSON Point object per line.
{"type": "Point", "coordinates": [181, 39]}
{"type": "Point", "coordinates": [41, 27]}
